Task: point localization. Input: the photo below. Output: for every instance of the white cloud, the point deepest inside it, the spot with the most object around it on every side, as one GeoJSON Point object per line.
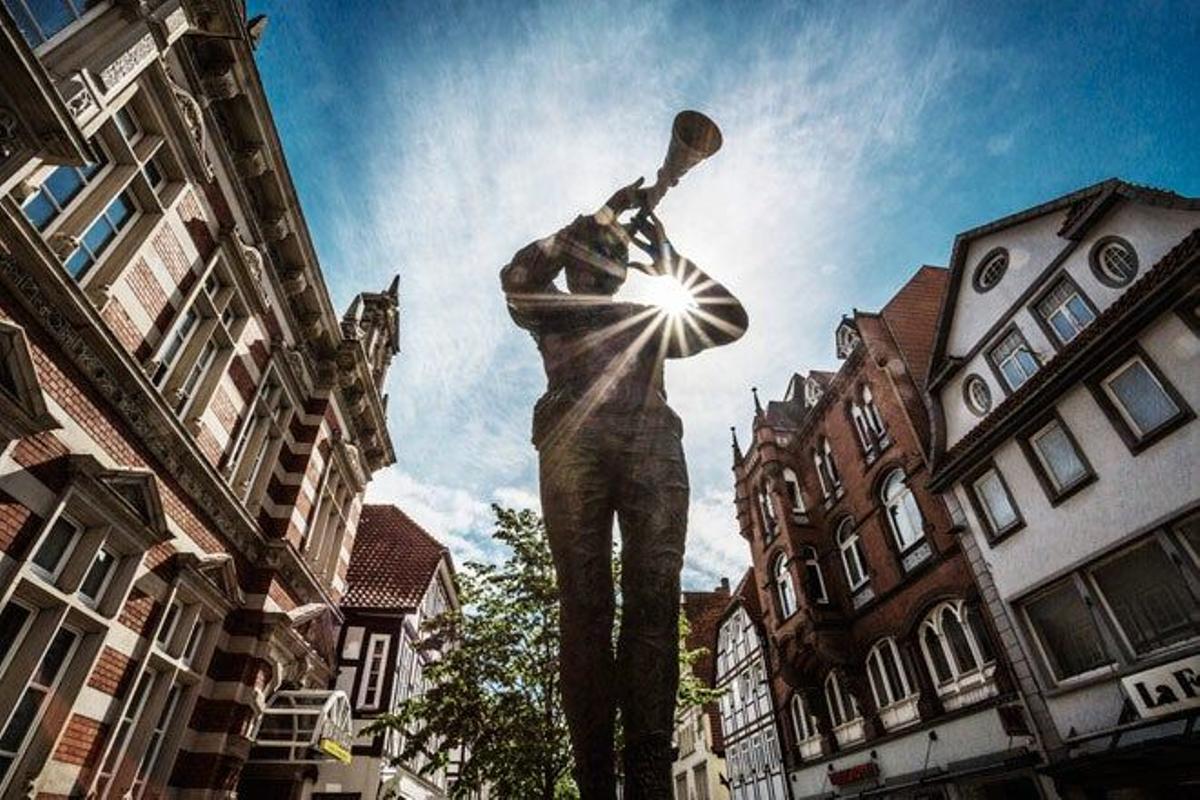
{"type": "Point", "coordinates": [511, 139]}
{"type": "Point", "coordinates": [1001, 143]}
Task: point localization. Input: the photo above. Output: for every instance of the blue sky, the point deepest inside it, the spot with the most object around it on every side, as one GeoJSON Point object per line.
{"type": "Point", "coordinates": [433, 141]}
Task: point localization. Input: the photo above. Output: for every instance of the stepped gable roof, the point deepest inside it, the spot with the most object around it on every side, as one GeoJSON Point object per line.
{"type": "Point", "coordinates": [392, 562]}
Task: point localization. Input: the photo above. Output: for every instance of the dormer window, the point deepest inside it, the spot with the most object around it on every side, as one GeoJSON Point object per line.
{"type": "Point", "coordinates": [847, 338]}
{"type": "Point", "coordinates": [990, 270]}
{"type": "Point", "coordinates": [812, 392]}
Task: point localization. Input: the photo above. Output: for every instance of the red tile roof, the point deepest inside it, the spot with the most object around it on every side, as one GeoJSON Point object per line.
{"type": "Point", "coordinates": [911, 317]}
{"type": "Point", "coordinates": [703, 611]}
{"type": "Point", "coordinates": [392, 562]}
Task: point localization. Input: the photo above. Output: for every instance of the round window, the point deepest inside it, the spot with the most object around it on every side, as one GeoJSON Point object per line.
{"type": "Point", "coordinates": [978, 395]}
{"type": "Point", "coordinates": [991, 269]}
{"type": "Point", "coordinates": [1114, 261]}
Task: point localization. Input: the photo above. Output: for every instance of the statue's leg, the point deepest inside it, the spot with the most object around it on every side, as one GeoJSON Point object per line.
{"type": "Point", "coordinates": [577, 508]}
{"type": "Point", "coordinates": [652, 509]}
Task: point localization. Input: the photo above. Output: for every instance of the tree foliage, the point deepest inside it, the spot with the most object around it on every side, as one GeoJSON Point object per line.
{"type": "Point", "coordinates": [493, 698]}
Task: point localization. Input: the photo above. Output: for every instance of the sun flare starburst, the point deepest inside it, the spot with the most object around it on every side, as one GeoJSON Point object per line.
{"type": "Point", "coordinates": [669, 295]}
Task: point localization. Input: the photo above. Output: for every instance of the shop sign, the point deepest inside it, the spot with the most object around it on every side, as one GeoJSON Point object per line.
{"type": "Point", "coordinates": [1166, 689]}
{"type": "Point", "coordinates": [335, 749]}
{"type": "Point", "coordinates": [855, 774]}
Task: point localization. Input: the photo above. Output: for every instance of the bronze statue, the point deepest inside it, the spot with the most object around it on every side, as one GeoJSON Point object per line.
{"type": "Point", "coordinates": [608, 445]}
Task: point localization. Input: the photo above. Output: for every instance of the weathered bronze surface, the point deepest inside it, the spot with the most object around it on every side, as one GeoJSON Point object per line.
{"type": "Point", "coordinates": [609, 445]}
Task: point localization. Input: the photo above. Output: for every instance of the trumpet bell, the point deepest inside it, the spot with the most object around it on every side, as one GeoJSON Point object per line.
{"type": "Point", "coordinates": [694, 137]}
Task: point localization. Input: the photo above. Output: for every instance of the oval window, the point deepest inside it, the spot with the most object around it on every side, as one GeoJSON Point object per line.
{"type": "Point", "coordinates": [978, 395]}
{"type": "Point", "coordinates": [1114, 261]}
{"type": "Point", "coordinates": [991, 269]}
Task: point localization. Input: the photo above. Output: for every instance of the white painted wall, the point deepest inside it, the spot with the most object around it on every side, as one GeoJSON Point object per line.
{"type": "Point", "coordinates": [1152, 231]}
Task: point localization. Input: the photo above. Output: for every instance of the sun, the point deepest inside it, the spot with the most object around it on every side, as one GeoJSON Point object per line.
{"type": "Point", "coordinates": [668, 294]}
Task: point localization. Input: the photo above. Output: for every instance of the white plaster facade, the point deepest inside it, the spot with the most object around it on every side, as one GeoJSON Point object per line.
{"type": "Point", "coordinates": [1098, 576]}
{"type": "Point", "coordinates": [698, 769]}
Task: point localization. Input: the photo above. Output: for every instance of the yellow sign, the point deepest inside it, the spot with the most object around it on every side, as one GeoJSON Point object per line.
{"type": "Point", "coordinates": [335, 749]}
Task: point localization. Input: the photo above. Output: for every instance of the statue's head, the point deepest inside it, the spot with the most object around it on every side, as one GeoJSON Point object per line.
{"type": "Point", "coordinates": [599, 259]}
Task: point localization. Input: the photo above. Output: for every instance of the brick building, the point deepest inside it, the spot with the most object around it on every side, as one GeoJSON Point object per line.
{"type": "Point", "coordinates": [881, 661]}
{"type": "Point", "coordinates": [699, 771]}
{"type": "Point", "coordinates": [400, 577]}
{"type": "Point", "coordinates": [1065, 381]}
{"type": "Point", "coordinates": [186, 424]}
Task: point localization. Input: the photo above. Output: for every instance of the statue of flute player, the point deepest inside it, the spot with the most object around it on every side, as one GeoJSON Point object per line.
{"type": "Point", "coordinates": [609, 445]}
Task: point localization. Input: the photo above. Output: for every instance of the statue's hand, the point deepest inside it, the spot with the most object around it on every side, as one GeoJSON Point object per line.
{"type": "Point", "coordinates": [625, 198]}
{"type": "Point", "coordinates": [655, 243]}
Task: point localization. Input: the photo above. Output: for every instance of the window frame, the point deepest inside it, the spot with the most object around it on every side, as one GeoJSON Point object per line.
{"type": "Point", "coordinates": [808, 554]}
{"type": "Point", "coordinates": [982, 265]}
{"type": "Point", "coordinates": [1114, 410]}
{"type": "Point", "coordinates": [876, 652]}
{"type": "Point", "coordinates": [1103, 634]}
{"type": "Point", "coordinates": [1169, 549]}
{"type": "Point", "coordinates": [897, 504]}
{"type": "Point", "coordinates": [1099, 272]}
{"type": "Point", "coordinates": [795, 490]}
{"type": "Point", "coordinates": [978, 409]}
{"type": "Point", "coordinates": [996, 366]}
{"type": "Point", "coordinates": [365, 686]}
{"type": "Point", "coordinates": [980, 508]}
{"type": "Point", "coordinates": [1027, 441]}
{"type": "Point", "coordinates": [1035, 309]}
{"type": "Point", "coordinates": [785, 587]}
{"type": "Point", "coordinates": [21, 753]}
{"type": "Point", "coordinates": [960, 680]}
{"type": "Point", "coordinates": [852, 541]}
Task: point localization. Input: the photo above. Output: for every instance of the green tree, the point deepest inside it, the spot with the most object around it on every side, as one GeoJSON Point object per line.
{"type": "Point", "coordinates": [494, 691]}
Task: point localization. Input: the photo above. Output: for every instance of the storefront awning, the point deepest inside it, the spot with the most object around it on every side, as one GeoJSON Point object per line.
{"type": "Point", "coordinates": [304, 726]}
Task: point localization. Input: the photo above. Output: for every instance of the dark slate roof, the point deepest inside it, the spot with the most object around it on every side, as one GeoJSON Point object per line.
{"type": "Point", "coordinates": [393, 560]}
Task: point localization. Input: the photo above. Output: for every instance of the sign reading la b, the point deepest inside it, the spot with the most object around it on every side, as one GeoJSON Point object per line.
{"type": "Point", "coordinates": [1165, 689]}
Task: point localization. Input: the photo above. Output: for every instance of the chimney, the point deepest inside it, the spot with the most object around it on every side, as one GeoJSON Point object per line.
{"type": "Point", "coordinates": [724, 587]}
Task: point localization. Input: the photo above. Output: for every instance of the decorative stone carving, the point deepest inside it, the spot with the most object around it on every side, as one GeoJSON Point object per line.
{"type": "Point", "coordinates": [193, 117]}
{"type": "Point", "coordinates": [310, 322]}
{"type": "Point", "coordinates": [253, 258]}
{"type": "Point", "coordinates": [78, 96]}
{"type": "Point", "coordinates": [274, 227]}
{"type": "Point", "coordinates": [63, 244]}
{"type": "Point", "coordinates": [221, 83]}
{"type": "Point", "coordinates": [251, 161]}
{"type": "Point", "coordinates": [142, 51]}
{"type": "Point", "coordinates": [295, 280]}
{"type": "Point", "coordinates": [133, 406]}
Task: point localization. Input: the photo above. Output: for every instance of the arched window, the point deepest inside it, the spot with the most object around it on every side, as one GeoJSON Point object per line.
{"type": "Point", "coordinates": [819, 464]}
{"type": "Point", "coordinates": [784, 590]}
{"type": "Point", "coordinates": [954, 643]}
{"type": "Point", "coordinates": [902, 511]}
{"type": "Point", "coordinates": [792, 482]}
{"type": "Point", "coordinates": [842, 706]}
{"type": "Point", "coordinates": [871, 412]}
{"type": "Point", "coordinates": [835, 479]}
{"type": "Point", "coordinates": [865, 436]}
{"type": "Point", "coordinates": [853, 559]}
{"type": "Point", "coordinates": [803, 723]}
{"type": "Point", "coordinates": [770, 524]}
{"type": "Point", "coordinates": [814, 581]}
{"type": "Point", "coordinates": [889, 684]}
